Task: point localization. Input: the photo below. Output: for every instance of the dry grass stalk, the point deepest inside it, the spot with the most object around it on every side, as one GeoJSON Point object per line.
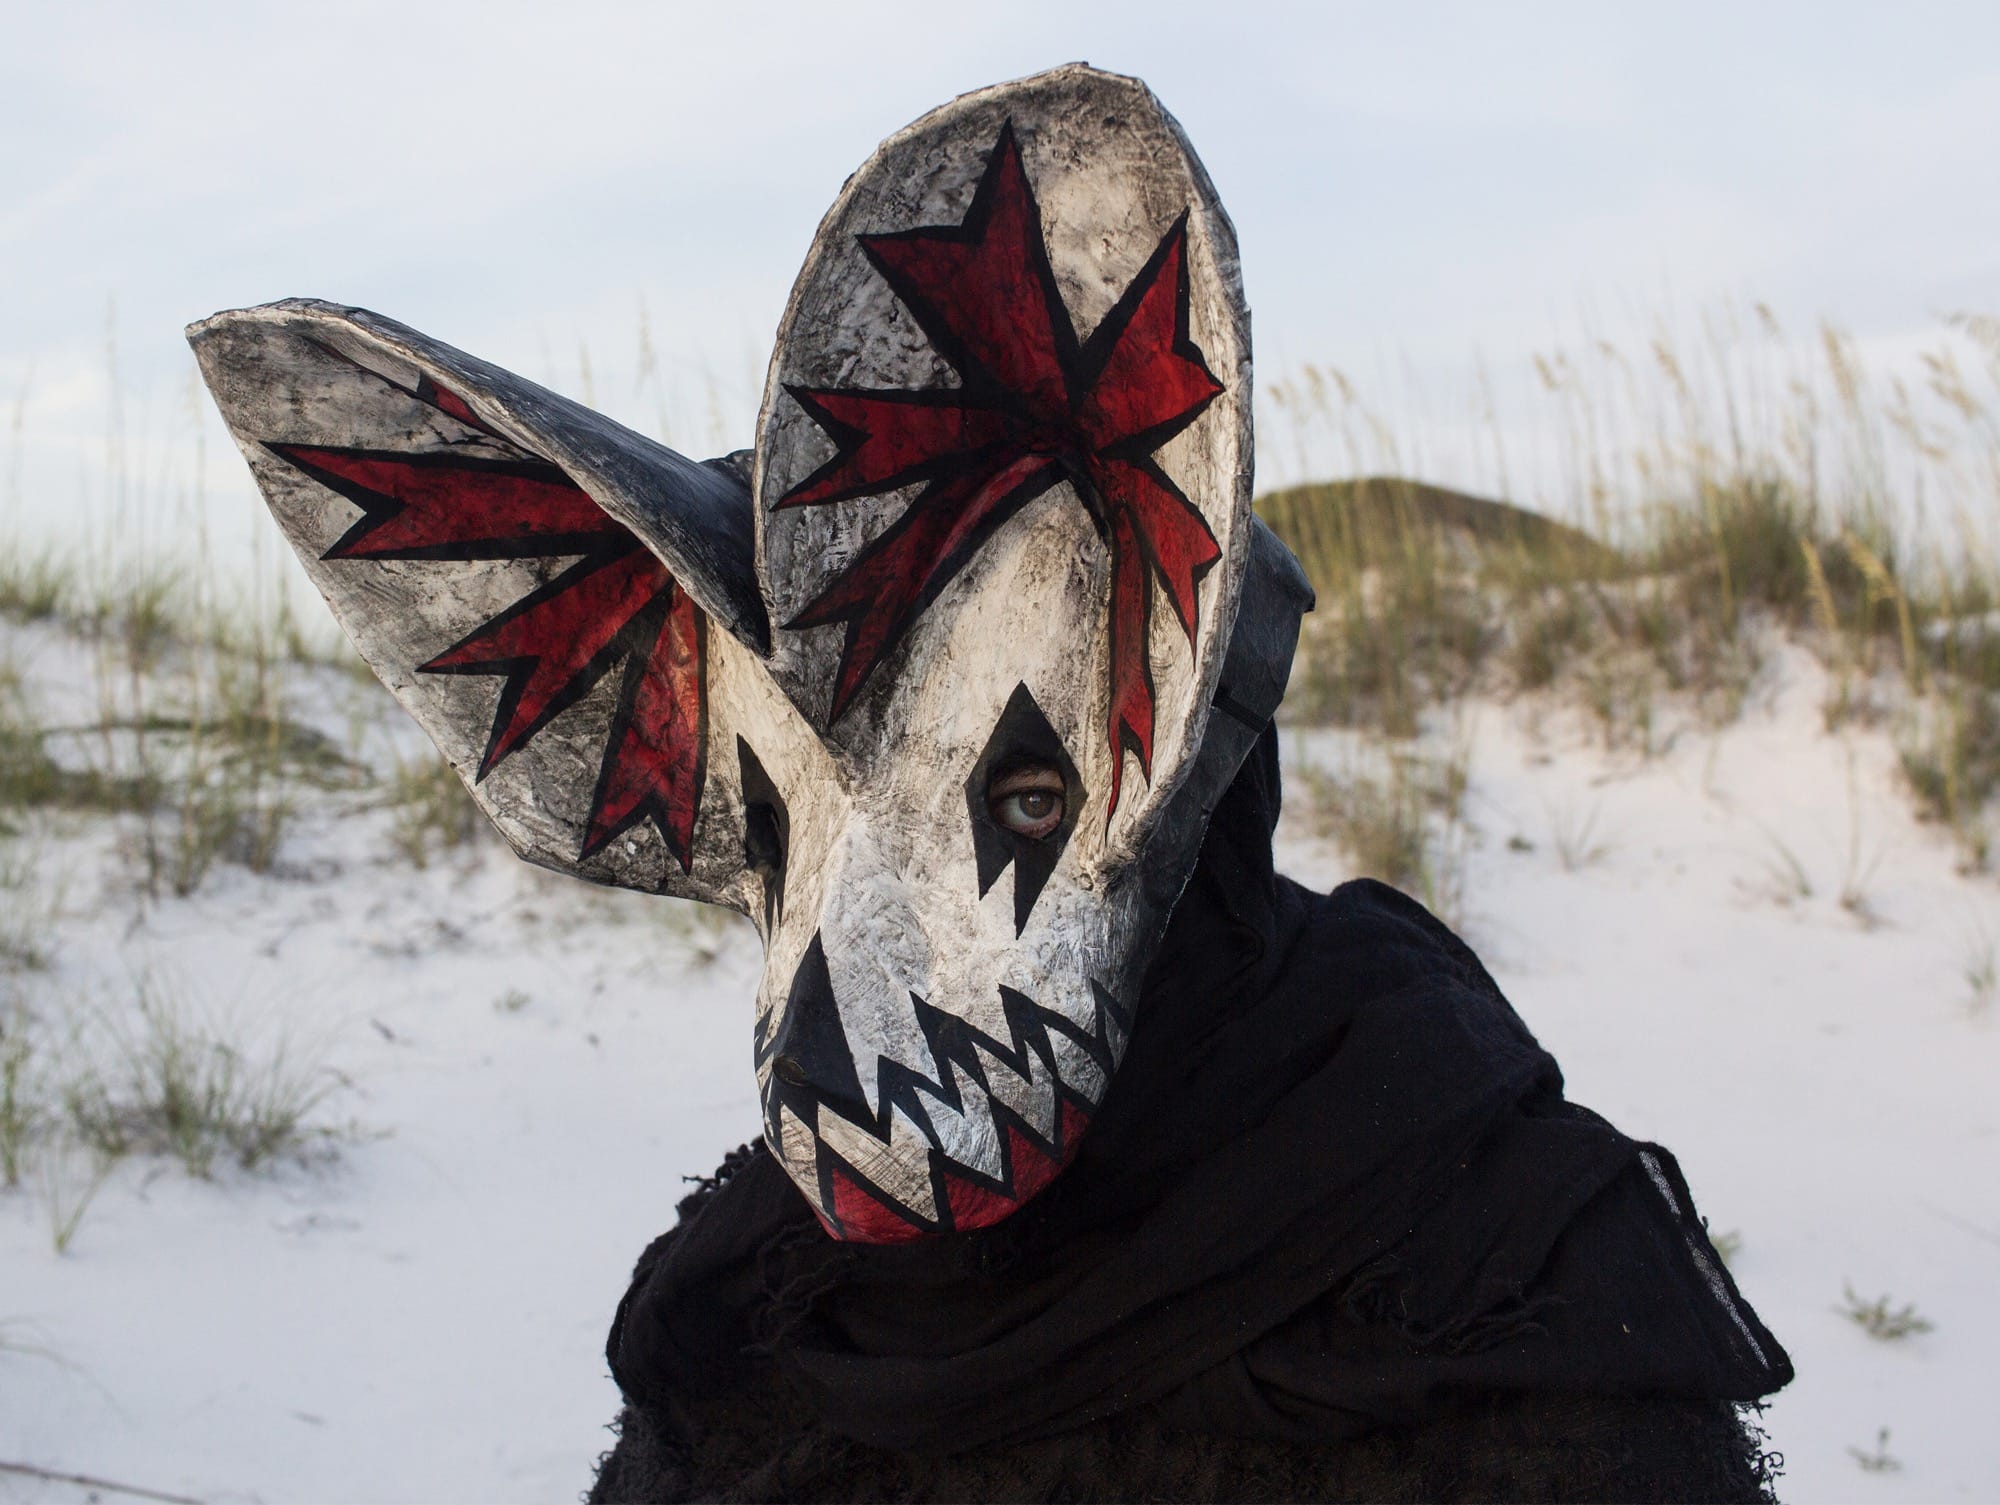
{"type": "Point", "coordinates": [1881, 1321]}
{"type": "Point", "coordinates": [1399, 815]}
{"type": "Point", "coordinates": [1712, 505]}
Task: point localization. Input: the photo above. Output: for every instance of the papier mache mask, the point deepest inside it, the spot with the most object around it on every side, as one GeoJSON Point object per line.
{"type": "Point", "coordinates": [998, 517]}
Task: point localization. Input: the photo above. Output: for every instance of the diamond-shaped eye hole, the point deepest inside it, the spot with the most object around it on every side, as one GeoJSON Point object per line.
{"type": "Point", "coordinates": [1022, 737]}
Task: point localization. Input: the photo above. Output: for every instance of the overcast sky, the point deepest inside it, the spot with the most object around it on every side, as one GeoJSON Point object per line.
{"type": "Point", "coordinates": [1415, 186]}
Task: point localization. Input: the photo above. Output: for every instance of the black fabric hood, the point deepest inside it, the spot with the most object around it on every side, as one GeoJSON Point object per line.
{"type": "Point", "coordinates": [1334, 1182]}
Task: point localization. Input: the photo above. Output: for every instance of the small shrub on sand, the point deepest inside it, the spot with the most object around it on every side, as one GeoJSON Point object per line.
{"type": "Point", "coordinates": [35, 586]}
{"type": "Point", "coordinates": [1574, 833]}
{"type": "Point", "coordinates": [164, 1078]}
{"type": "Point", "coordinates": [1950, 757]}
{"type": "Point", "coordinates": [1879, 1319]}
{"type": "Point", "coordinates": [1398, 814]}
{"type": "Point", "coordinates": [1878, 1459]}
{"type": "Point", "coordinates": [1982, 974]}
{"type": "Point", "coordinates": [21, 1098]}
{"type": "Point", "coordinates": [26, 910]}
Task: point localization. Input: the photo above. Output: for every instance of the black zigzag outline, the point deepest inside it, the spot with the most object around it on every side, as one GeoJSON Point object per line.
{"type": "Point", "coordinates": [519, 668]}
{"type": "Point", "coordinates": [1081, 362]}
{"type": "Point", "coordinates": [812, 615]}
{"type": "Point", "coordinates": [379, 508]}
{"type": "Point", "coordinates": [952, 1042]}
{"type": "Point", "coordinates": [981, 385]}
{"type": "Point", "coordinates": [848, 439]}
{"type": "Point", "coordinates": [426, 391]}
{"type": "Point", "coordinates": [591, 551]}
{"type": "Point", "coordinates": [653, 807]}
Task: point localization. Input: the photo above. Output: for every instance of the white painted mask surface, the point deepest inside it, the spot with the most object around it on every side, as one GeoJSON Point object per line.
{"type": "Point", "coordinates": [938, 687]}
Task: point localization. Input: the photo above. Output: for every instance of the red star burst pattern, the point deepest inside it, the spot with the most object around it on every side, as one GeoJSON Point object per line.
{"type": "Point", "coordinates": [1035, 407]}
{"type": "Point", "coordinates": [615, 605]}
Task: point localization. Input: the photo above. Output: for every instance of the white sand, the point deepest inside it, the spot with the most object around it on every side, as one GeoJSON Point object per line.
{"type": "Point", "coordinates": [423, 1320]}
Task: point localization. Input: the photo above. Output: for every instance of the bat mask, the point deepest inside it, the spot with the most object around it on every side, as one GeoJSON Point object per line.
{"type": "Point", "coordinates": [938, 685]}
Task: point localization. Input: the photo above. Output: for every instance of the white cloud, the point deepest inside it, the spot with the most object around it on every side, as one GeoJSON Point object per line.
{"type": "Point", "coordinates": [1412, 184]}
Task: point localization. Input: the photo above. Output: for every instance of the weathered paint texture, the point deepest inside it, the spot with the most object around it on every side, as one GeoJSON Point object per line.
{"type": "Point", "coordinates": [999, 504]}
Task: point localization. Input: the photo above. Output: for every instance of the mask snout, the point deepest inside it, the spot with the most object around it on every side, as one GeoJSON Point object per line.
{"type": "Point", "coordinates": [811, 1061]}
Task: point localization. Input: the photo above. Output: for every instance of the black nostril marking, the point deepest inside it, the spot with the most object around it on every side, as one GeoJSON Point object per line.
{"type": "Point", "coordinates": [811, 1041]}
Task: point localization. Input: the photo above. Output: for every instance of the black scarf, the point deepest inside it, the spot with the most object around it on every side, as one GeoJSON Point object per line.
{"type": "Point", "coordinates": [1333, 1184]}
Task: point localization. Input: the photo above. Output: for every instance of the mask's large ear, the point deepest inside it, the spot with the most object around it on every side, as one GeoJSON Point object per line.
{"type": "Point", "coordinates": [541, 588]}
{"type": "Point", "coordinates": [1030, 292]}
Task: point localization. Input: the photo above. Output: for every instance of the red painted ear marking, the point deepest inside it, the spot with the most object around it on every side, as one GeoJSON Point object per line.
{"type": "Point", "coordinates": [662, 714]}
{"type": "Point", "coordinates": [449, 403]}
{"type": "Point", "coordinates": [446, 506]}
{"type": "Point", "coordinates": [554, 644]}
{"type": "Point", "coordinates": [615, 605]}
{"type": "Point", "coordinates": [1034, 408]}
